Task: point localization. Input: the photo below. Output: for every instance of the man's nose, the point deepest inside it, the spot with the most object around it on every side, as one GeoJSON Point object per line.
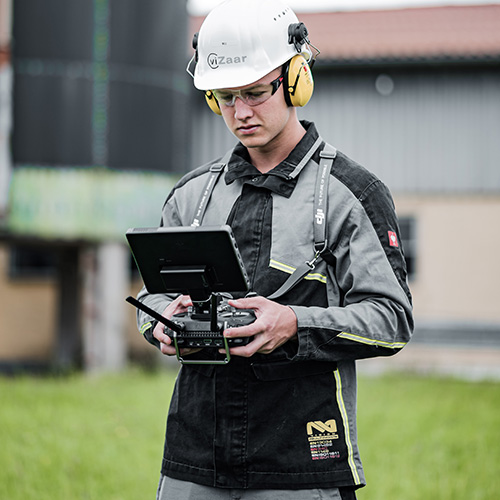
{"type": "Point", "coordinates": [241, 110]}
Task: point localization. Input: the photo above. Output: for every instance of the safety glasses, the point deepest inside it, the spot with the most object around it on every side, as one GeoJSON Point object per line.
{"type": "Point", "coordinates": [252, 96]}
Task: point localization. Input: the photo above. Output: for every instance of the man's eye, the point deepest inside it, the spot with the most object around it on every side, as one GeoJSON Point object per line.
{"type": "Point", "coordinates": [224, 97]}
{"type": "Point", "coordinates": [255, 94]}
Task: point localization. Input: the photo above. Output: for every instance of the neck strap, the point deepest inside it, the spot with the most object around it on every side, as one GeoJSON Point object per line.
{"type": "Point", "coordinates": [215, 170]}
{"type": "Point", "coordinates": [321, 249]}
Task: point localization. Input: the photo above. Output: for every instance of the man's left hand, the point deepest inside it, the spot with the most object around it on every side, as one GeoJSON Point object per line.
{"type": "Point", "coordinates": [274, 325]}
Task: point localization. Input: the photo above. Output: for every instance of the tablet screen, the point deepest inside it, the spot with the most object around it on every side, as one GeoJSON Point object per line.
{"type": "Point", "coordinates": [191, 260]}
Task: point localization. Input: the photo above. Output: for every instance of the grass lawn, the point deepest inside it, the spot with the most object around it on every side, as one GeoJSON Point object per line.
{"type": "Point", "coordinates": [82, 438]}
{"type": "Point", "coordinates": [101, 438]}
{"type": "Point", "coordinates": [429, 438]}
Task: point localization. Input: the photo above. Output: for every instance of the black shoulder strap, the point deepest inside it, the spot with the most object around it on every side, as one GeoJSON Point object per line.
{"type": "Point", "coordinates": [320, 223]}
{"type": "Point", "coordinates": [215, 170]}
{"type": "Point", "coordinates": [321, 203]}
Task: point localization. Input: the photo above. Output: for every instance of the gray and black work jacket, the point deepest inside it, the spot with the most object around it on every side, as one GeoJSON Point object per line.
{"type": "Point", "coordinates": [288, 419]}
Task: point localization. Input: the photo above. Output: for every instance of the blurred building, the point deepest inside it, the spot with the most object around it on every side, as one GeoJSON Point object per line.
{"type": "Point", "coordinates": [412, 94]}
{"type": "Point", "coordinates": [99, 125]}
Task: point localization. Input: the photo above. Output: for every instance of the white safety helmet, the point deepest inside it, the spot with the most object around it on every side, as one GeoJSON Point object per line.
{"type": "Point", "coordinates": [240, 41]}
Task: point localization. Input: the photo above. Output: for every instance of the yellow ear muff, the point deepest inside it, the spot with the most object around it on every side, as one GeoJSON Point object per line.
{"type": "Point", "coordinates": [212, 102]}
{"type": "Point", "coordinates": [300, 83]}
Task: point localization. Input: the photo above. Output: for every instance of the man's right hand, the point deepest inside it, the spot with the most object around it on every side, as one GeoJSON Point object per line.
{"type": "Point", "coordinates": [179, 305]}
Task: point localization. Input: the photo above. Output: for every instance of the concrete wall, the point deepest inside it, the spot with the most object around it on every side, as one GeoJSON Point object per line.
{"type": "Point", "coordinates": [28, 319]}
{"type": "Point", "coordinates": [458, 268]}
{"type": "Point", "coordinates": [27, 316]}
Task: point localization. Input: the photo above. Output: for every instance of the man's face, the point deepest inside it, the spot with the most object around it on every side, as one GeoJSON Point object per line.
{"type": "Point", "coordinates": [261, 125]}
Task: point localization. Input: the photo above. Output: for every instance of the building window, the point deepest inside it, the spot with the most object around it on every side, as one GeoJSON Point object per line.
{"type": "Point", "coordinates": [407, 226]}
{"type": "Point", "coordinates": [28, 261]}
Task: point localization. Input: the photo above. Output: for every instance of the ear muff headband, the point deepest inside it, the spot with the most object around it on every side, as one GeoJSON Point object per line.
{"type": "Point", "coordinates": [212, 102]}
{"type": "Point", "coordinates": [299, 81]}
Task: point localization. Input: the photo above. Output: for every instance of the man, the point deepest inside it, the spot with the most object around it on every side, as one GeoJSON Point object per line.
{"type": "Point", "coordinates": [279, 420]}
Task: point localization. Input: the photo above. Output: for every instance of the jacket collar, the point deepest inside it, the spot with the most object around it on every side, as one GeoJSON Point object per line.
{"type": "Point", "coordinates": [282, 178]}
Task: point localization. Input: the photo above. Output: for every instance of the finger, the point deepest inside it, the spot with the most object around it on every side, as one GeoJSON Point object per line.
{"type": "Point", "coordinates": [248, 350]}
{"type": "Point", "coordinates": [168, 350]}
{"type": "Point", "coordinates": [183, 301]}
{"type": "Point", "coordinates": [243, 331]}
{"type": "Point", "coordinates": [160, 335]}
{"type": "Point", "coordinates": [179, 305]}
{"type": "Point", "coordinates": [247, 303]}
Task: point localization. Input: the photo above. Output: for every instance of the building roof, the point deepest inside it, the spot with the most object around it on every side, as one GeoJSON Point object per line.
{"type": "Point", "coordinates": [447, 33]}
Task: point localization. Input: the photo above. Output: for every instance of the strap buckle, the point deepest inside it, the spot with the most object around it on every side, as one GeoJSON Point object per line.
{"type": "Point", "coordinates": [312, 263]}
{"type": "Point", "coordinates": [217, 167]}
{"type": "Point", "coordinates": [328, 154]}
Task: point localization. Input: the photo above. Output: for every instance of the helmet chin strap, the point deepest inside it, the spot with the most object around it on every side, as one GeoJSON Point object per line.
{"type": "Point", "coordinates": [313, 57]}
{"type": "Point", "coordinates": [191, 65]}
